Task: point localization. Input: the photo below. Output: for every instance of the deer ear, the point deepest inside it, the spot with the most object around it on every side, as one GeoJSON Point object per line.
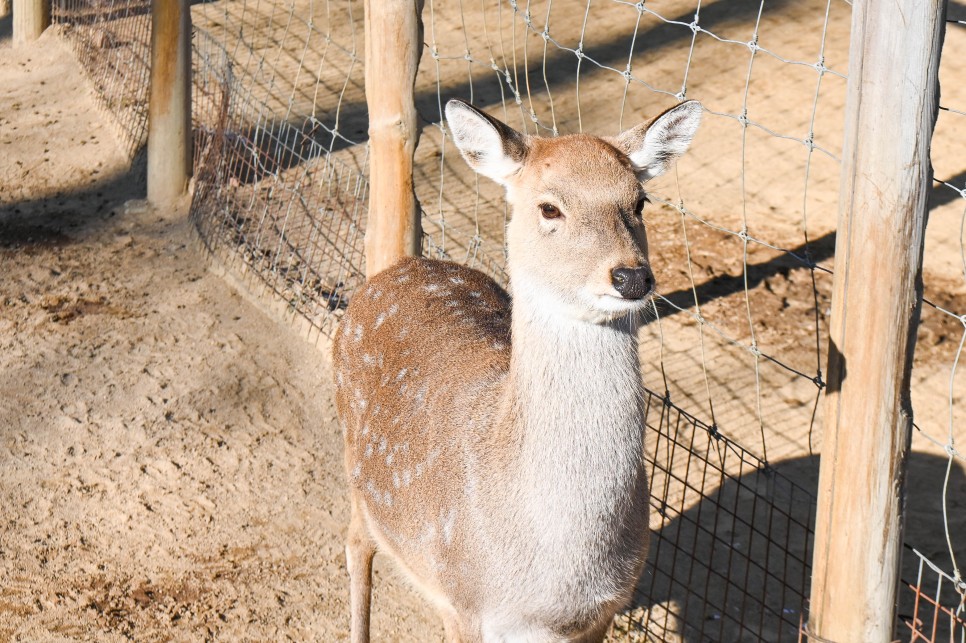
{"type": "Point", "coordinates": [491, 148]}
{"type": "Point", "coordinates": [653, 146]}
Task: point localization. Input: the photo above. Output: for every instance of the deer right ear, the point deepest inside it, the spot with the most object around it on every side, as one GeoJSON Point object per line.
{"type": "Point", "coordinates": [652, 147]}
{"type": "Point", "coordinates": [491, 148]}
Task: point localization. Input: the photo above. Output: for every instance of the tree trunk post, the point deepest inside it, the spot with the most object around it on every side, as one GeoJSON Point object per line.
{"type": "Point", "coordinates": [30, 18]}
{"type": "Point", "coordinates": [169, 104]}
{"type": "Point", "coordinates": [892, 105]}
{"type": "Point", "coordinates": [394, 42]}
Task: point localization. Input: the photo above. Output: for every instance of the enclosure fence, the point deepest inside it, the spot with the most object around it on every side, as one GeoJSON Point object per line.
{"type": "Point", "coordinates": [742, 240]}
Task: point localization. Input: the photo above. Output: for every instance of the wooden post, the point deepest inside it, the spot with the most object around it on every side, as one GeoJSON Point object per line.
{"type": "Point", "coordinates": [886, 172]}
{"type": "Point", "coordinates": [30, 18]}
{"type": "Point", "coordinates": [394, 43]}
{"type": "Point", "coordinates": [169, 105]}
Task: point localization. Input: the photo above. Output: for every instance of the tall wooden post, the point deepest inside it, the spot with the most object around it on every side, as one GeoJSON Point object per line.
{"type": "Point", "coordinates": [30, 18]}
{"type": "Point", "coordinates": [169, 104]}
{"type": "Point", "coordinates": [886, 172]}
{"type": "Point", "coordinates": [394, 43]}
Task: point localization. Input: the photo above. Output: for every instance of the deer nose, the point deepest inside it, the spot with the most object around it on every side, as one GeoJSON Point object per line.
{"type": "Point", "coordinates": [632, 283]}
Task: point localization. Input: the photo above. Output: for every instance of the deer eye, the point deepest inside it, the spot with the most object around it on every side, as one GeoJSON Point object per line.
{"type": "Point", "coordinates": [549, 211]}
{"type": "Point", "coordinates": [639, 209]}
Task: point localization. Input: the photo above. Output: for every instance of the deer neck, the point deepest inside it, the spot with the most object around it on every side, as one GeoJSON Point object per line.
{"type": "Point", "coordinates": [574, 392]}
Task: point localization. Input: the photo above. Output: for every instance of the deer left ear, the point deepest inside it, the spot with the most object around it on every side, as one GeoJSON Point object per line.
{"type": "Point", "coordinates": [653, 146]}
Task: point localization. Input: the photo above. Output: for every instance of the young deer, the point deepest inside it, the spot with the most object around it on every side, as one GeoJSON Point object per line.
{"type": "Point", "coordinates": [496, 450]}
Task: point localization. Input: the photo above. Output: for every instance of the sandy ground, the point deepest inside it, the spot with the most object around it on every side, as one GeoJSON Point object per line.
{"type": "Point", "coordinates": [170, 462]}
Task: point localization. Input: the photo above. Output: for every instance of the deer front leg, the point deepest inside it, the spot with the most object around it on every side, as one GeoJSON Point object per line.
{"type": "Point", "coordinates": [359, 550]}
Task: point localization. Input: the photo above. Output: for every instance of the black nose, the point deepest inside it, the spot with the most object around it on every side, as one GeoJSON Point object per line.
{"type": "Point", "coordinates": [632, 283]}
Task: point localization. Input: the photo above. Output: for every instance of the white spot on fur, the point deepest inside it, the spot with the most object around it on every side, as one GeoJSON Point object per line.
{"type": "Point", "coordinates": [393, 309]}
{"type": "Point", "coordinates": [452, 303]}
{"type": "Point", "coordinates": [357, 471]}
{"type": "Point", "coordinates": [389, 458]}
{"type": "Point", "coordinates": [407, 478]}
{"type": "Point", "coordinates": [381, 318]}
{"type": "Point", "coordinates": [401, 279]}
{"type": "Point", "coordinates": [382, 446]}
{"type": "Point", "coordinates": [456, 280]}
{"type": "Point", "coordinates": [448, 522]}
{"type": "Point", "coordinates": [395, 480]}
{"type": "Point", "coordinates": [368, 359]}
{"type": "Point", "coordinates": [475, 294]}
{"type": "Point", "coordinates": [358, 336]}
{"type": "Point", "coordinates": [403, 333]}
{"type": "Point", "coordinates": [369, 450]}
{"type": "Point", "coordinates": [420, 396]}
{"type": "Point", "coordinates": [498, 345]}
{"type": "Point", "coordinates": [431, 287]}
{"type": "Point", "coordinates": [375, 493]}
{"type": "Point", "coordinates": [402, 374]}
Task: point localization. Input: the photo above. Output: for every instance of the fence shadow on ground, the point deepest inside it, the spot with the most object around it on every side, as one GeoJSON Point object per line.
{"type": "Point", "coordinates": [730, 555]}
{"type": "Point", "coordinates": [67, 216]}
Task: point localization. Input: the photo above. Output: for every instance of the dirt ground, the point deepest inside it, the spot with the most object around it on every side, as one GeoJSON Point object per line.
{"type": "Point", "coordinates": [170, 462]}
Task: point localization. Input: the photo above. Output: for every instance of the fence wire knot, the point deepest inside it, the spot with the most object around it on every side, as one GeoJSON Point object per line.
{"type": "Point", "coordinates": [640, 7]}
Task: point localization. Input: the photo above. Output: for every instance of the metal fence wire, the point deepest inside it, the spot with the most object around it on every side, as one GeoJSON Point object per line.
{"type": "Point", "coordinates": [112, 40]}
{"type": "Point", "coordinates": [742, 237]}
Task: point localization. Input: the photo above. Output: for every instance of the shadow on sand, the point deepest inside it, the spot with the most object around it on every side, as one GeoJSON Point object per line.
{"type": "Point", "coordinates": [730, 557]}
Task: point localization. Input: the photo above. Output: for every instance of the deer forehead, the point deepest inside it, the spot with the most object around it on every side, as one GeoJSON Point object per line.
{"type": "Point", "coordinates": [581, 171]}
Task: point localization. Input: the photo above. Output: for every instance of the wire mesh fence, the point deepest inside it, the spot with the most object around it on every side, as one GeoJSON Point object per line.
{"type": "Point", "coordinates": [113, 43]}
{"type": "Point", "coordinates": [742, 241]}
{"type": "Point", "coordinates": [730, 554]}
{"type": "Point", "coordinates": [278, 94]}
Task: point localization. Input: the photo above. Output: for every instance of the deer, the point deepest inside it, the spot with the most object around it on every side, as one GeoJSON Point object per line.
{"type": "Point", "coordinates": [494, 439]}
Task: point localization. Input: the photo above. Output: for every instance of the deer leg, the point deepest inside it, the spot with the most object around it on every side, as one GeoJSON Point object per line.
{"type": "Point", "coordinates": [359, 550]}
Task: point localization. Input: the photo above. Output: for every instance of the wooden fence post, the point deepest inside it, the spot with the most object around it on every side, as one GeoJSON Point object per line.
{"type": "Point", "coordinates": [30, 18]}
{"type": "Point", "coordinates": [169, 104]}
{"type": "Point", "coordinates": [394, 43]}
{"type": "Point", "coordinates": [886, 176]}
